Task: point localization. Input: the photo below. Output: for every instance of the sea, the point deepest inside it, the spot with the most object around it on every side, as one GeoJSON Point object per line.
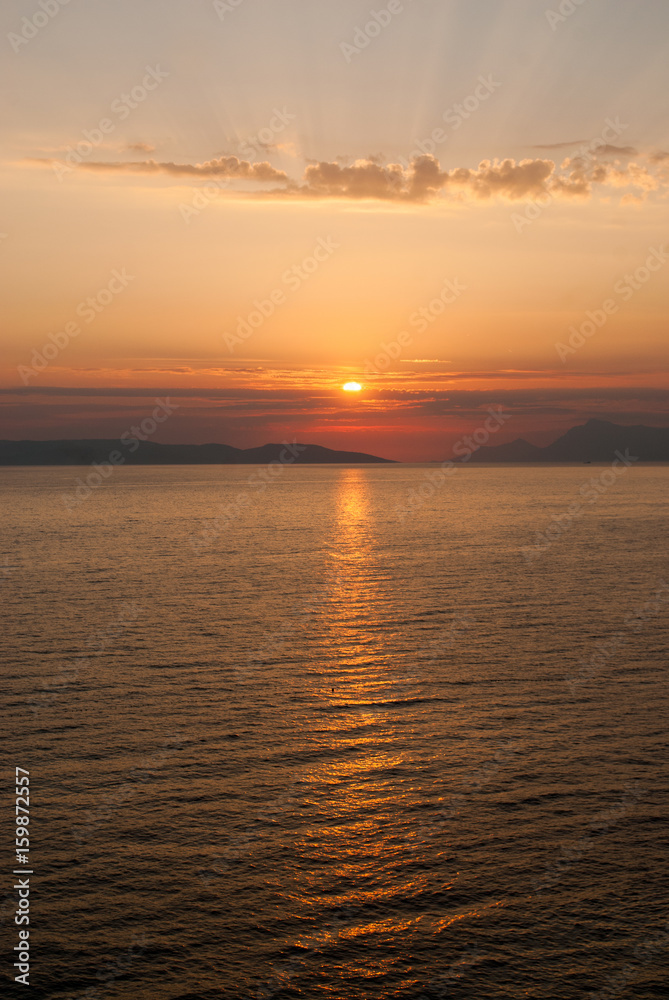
{"type": "Point", "coordinates": [338, 732]}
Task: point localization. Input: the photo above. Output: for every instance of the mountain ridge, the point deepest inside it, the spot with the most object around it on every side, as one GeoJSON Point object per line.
{"type": "Point", "coordinates": [88, 451]}
{"type": "Point", "coordinates": [594, 441]}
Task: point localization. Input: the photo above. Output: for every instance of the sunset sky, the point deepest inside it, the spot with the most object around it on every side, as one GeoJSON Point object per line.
{"type": "Point", "coordinates": [262, 196]}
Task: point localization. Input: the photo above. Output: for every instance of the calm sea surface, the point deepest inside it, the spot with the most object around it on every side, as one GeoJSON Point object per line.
{"type": "Point", "coordinates": [332, 753]}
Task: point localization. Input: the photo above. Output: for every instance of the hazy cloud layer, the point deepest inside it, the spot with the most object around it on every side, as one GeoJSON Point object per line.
{"type": "Point", "coordinates": [425, 179]}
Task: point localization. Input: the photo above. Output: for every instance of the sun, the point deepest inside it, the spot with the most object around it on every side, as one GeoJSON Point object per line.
{"type": "Point", "coordinates": [352, 387]}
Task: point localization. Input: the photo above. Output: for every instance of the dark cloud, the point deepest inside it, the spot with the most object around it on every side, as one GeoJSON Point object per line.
{"type": "Point", "coordinates": [592, 148]}
{"type": "Point", "coordinates": [364, 179]}
{"type": "Point", "coordinates": [424, 179]}
{"type": "Point", "coordinates": [139, 147]}
{"type": "Point", "coordinates": [307, 396]}
{"type": "Point", "coordinates": [226, 167]}
{"type": "Point", "coordinates": [562, 145]}
{"type": "Point", "coordinates": [609, 150]}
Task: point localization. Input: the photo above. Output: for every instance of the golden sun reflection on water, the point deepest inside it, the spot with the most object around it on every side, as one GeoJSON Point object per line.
{"type": "Point", "coordinates": [360, 848]}
{"type": "Point", "coordinates": [353, 513]}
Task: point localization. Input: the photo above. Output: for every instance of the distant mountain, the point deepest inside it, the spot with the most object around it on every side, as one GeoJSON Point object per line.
{"type": "Point", "coordinates": [313, 454]}
{"type": "Point", "coordinates": [596, 441]}
{"type": "Point", "coordinates": [86, 452]}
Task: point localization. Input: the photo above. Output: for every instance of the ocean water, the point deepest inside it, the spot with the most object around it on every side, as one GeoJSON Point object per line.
{"type": "Point", "coordinates": [370, 737]}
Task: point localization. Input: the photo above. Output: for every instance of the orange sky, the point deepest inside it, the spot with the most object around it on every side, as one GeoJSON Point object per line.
{"type": "Point", "coordinates": [242, 214]}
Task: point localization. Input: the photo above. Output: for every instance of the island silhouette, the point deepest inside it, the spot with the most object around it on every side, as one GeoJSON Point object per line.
{"type": "Point", "coordinates": [594, 441]}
